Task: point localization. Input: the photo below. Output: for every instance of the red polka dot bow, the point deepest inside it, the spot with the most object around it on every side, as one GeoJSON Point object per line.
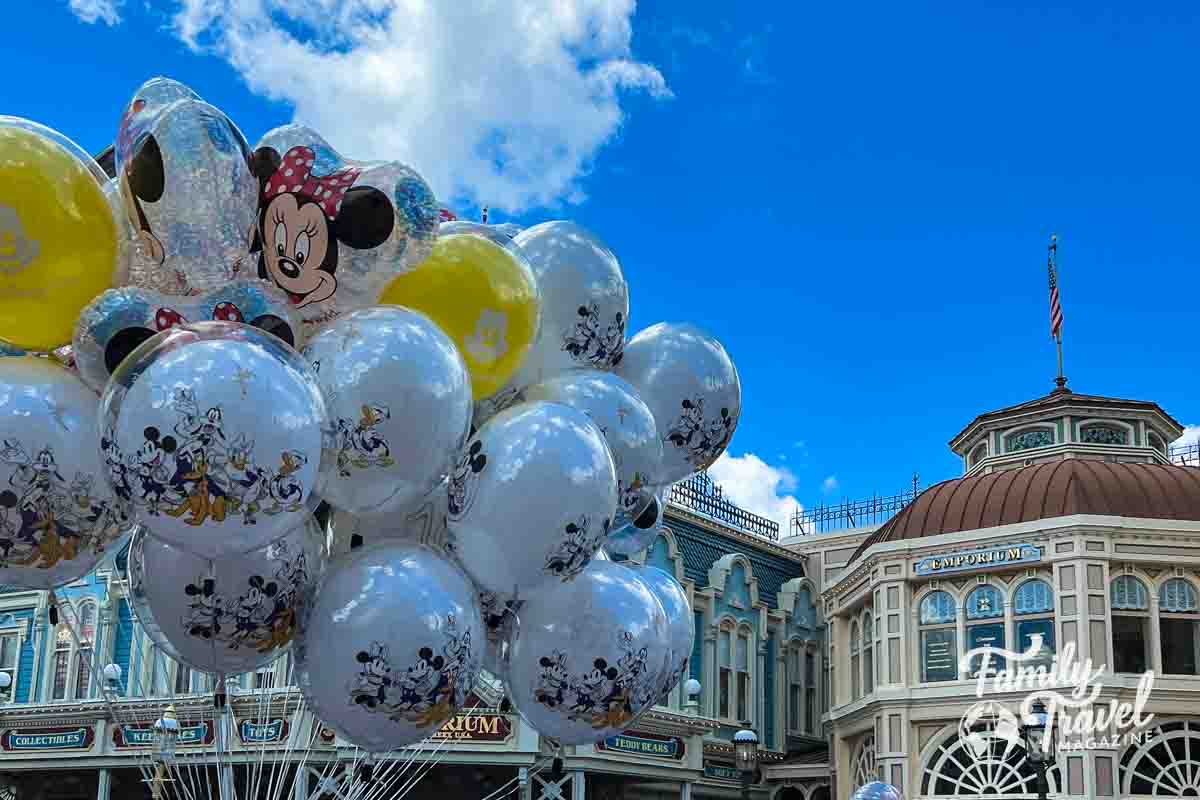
{"type": "Point", "coordinates": [295, 176]}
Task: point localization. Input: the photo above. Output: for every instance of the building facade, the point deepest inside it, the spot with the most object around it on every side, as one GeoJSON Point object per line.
{"type": "Point", "coordinates": [759, 657]}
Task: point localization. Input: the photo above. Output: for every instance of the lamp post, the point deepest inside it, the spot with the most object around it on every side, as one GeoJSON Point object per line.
{"type": "Point", "coordinates": [112, 677]}
{"type": "Point", "coordinates": [1040, 743]}
{"type": "Point", "coordinates": [166, 734]}
{"type": "Point", "coordinates": [745, 757]}
{"type": "Point", "coordinates": [692, 689]}
{"type": "Point", "coordinates": [5, 686]}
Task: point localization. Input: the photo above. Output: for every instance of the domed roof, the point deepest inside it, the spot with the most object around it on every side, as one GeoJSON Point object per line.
{"type": "Point", "coordinates": [1043, 491]}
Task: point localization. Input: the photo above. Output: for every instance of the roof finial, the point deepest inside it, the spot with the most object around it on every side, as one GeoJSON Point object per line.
{"type": "Point", "coordinates": [1056, 313]}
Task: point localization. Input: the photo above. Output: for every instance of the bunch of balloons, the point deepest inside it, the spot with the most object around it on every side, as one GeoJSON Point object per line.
{"type": "Point", "coordinates": [206, 348]}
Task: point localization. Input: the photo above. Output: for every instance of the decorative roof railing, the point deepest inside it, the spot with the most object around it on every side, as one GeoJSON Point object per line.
{"type": "Point", "coordinates": [701, 495]}
{"type": "Point", "coordinates": [1185, 455]}
{"type": "Point", "coordinates": [847, 514]}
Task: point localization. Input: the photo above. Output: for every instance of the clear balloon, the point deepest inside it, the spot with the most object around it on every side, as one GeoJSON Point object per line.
{"type": "Point", "coordinates": [589, 654]}
{"type": "Point", "coordinates": [119, 320]}
{"type": "Point", "coordinates": [877, 790]}
{"type": "Point", "coordinates": [627, 425]}
{"type": "Point", "coordinates": [423, 522]}
{"type": "Point", "coordinates": [231, 614]}
{"type": "Point", "coordinates": [531, 498]}
{"type": "Point", "coordinates": [219, 428]}
{"type": "Point", "coordinates": [184, 173]}
{"type": "Point", "coordinates": [332, 232]}
{"type": "Point", "coordinates": [58, 235]}
{"type": "Point", "coordinates": [689, 382]}
{"type": "Point", "coordinates": [478, 288]}
{"type": "Point", "coordinates": [636, 534]}
{"type": "Point", "coordinates": [500, 621]}
{"type": "Point", "coordinates": [58, 519]}
{"type": "Point", "coordinates": [392, 645]}
{"type": "Point", "coordinates": [399, 397]}
{"type": "Point", "coordinates": [681, 633]}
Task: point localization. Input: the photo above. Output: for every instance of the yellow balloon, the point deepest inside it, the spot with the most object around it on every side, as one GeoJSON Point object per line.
{"type": "Point", "coordinates": [58, 237]}
{"type": "Point", "coordinates": [484, 296]}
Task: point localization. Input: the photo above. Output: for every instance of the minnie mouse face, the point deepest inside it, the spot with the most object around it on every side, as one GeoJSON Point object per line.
{"type": "Point", "coordinates": [302, 220]}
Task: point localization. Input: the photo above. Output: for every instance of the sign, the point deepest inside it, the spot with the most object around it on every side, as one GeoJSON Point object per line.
{"type": "Point", "coordinates": [128, 736]}
{"type": "Point", "coordinates": [939, 656]}
{"type": "Point", "coordinates": [476, 727]}
{"type": "Point", "coordinates": [263, 732]}
{"type": "Point", "coordinates": [974, 559]}
{"type": "Point", "coordinates": [721, 772]}
{"type": "Point", "coordinates": [36, 740]}
{"type": "Point", "coordinates": [644, 744]}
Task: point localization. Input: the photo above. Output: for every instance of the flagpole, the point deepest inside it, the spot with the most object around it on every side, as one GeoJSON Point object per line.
{"type": "Point", "coordinates": [1061, 381]}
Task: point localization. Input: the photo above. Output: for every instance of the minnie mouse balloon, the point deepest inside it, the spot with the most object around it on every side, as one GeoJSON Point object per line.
{"type": "Point", "coordinates": [58, 520]}
{"type": "Point", "coordinates": [689, 382]}
{"type": "Point", "coordinates": [635, 534]}
{"type": "Point", "coordinates": [589, 655]}
{"type": "Point", "coordinates": [188, 190]}
{"type": "Point", "coordinates": [399, 396]}
{"type": "Point", "coordinates": [681, 631]}
{"type": "Point", "coordinates": [214, 432]}
{"type": "Point", "coordinates": [231, 614]}
{"type": "Point", "coordinates": [392, 645]}
{"type": "Point", "coordinates": [531, 498]}
{"type": "Point", "coordinates": [332, 232]}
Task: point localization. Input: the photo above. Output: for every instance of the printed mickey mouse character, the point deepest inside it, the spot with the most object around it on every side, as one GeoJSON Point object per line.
{"type": "Point", "coordinates": [152, 470]}
{"type": "Point", "coordinates": [206, 609]}
{"type": "Point", "coordinates": [374, 677]}
{"type": "Point", "coordinates": [303, 218]}
{"type": "Point", "coordinates": [470, 464]}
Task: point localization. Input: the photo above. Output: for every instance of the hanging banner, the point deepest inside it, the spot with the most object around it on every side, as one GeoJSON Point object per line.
{"type": "Point", "coordinates": [268, 732]}
{"type": "Point", "coordinates": [37, 740]}
{"type": "Point", "coordinates": [125, 737]}
{"type": "Point", "coordinates": [644, 744]}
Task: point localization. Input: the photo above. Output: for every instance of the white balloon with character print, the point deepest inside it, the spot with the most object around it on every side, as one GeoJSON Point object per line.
{"type": "Point", "coordinates": [422, 522]}
{"type": "Point", "coordinates": [399, 397]}
{"type": "Point", "coordinates": [689, 382]}
{"type": "Point", "coordinates": [392, 645]}
{"type": "Point", "coordinates": [58, 517]}
{"type": "Point", "coordinates": [531, 498]}
{"type": "Point", "coordinates": [221, 427]}
{"type": "Point", "coordinates": [681, 624]}
{"type": "Point", "coordinates": [589, 655]}
{"type": "Point", "coordinates": [636, 534]}
{"type": "Point", "coordinates": [231, 614]}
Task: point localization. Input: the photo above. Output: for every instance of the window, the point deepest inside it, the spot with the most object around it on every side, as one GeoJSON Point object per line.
{"type": "Point", "coordinates": [62, 662]}
{"type": "Point", "coordinates": [1103, 434]}
{"type": "Point", "coordinates": [743, 676]}
{"type": "Point", "coordinates": [985, 625]}
{"type": "Point", "coordinates": [183, 679]}
{"type": "Point", "coordinates": [83, 657]}
{"type": "Point", "coordinates": [939, 645]}
{"type": "Point", "coordinates": [1033, 607]}
{"type": "Point", "coordinates": [1028, 439]}
{"type": "Point", "coordinates": [1131, 624]}
{"type": "Point", "coordinates": [795, 689]}
{"type": "Point", "coordinates": [868, 651]}
{"type": "Point", "coordinates": [855, 662]}
{"type": "Point", "coordinates": [9, 645]}
{"type": "Point", "coordinates": [1157, 442]}
{"type": "Point", "coordinates": [1179, 619]}
{"type": "Point", "coordinates": [725, 664]}
{"type": "Point", "coordinates": [810, 692]}
{"type": "Point", "coordinates": [265, 678]}
{"type": "Point", "coordinates": [978, 454]}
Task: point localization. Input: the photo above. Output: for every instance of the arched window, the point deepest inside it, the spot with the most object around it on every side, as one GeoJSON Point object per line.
{"type": "Point", "coordinates": [1163, 762]}
{"type": "Point", "coordinates": [868, 654]}
{"type": "Point", "coordinates": [62, 662]}
{"type": "Point", "coordinates": [855, 662]}
{"type": "Point", "coordinates": [83, 656]}
{"type": "Point", "coordinates": [725, 671]}
{"type": "Point", "coordinates": [985, 625]}
{"type": "Point", "coordinates": [982, 763]}
{"type": "Point", "coordinates": [1033, 607]}
{"type": "Point", "coordinates": [1103, 434]}
{"type": "Point", "coordinates": [744, 693]}
{"type": "Point", "coordinates": [1157, 442]}
{"type": "Point", "coordinates": [978, 454]}
{"type": "Point", "coordinates": [1131, 624]}
{"type": "Point", "coordinates": [1028, 439]}
{"type": "Point", "coordinates": [1179, 623]}
{"type": "Point", "coordinates": [795, 687]}
{"type": "Point", "coordinates": [864, 765]}
{"type": "Point", "coordinates": [939, 644]}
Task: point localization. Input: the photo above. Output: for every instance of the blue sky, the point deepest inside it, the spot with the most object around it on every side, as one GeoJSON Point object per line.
{"type": "Point", "coordinates": [855, 198]}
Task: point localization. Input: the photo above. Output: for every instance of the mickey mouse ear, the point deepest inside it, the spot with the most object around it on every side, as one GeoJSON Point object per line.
{"type": "Point", "coordinates": [121, 345]}
{"type": "Point", "coordinates": [276, 326]}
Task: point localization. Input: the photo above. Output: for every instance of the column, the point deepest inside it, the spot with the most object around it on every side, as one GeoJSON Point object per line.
{"type": "Point", "coordinates": [685, 791]}
{"type": "Point", "coordinates": [758, 684]}
{"type": "Point", "coordinates": [300, 783]}
{"type": "Point", "coordinates": [578, 785]}
{"type": "Point", "coordinates": [524, 785]}
{"type": "Point", "coordinates": [710, 679]}
{"type": "Point", "coordinates": [103, 784]}
{"type": "Point", "coordinates": [892, 659]}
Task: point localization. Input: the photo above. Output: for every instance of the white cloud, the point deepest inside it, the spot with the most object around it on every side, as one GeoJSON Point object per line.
{"type": "Point", "coordinates": [757, 486]}
{"type": "Point", "coordinates": [498, 104]}
{"type": "Point", "coordinates": [93, 11]}
{"type": "Point", "coordinates": [1191, 435]}
{"type": "Point", "coordinates": [830, 484]}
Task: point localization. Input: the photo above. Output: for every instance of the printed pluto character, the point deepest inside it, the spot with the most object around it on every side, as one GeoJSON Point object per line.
{"type": "Point", "coordinates": [575, 551]}
{"type": "Point", "coordinates": [701, 439]}
{"type": "Point", "coordinates": [465, 478]}
{"type": "Point", "coordinates": [204, 486]}
{"type": "Point", "coordinates": [427, 692]}
{"type": "Point", "coordinates": [361, 444]}
{"type": "Point", "coordinates": [303, 220]}
{"type": "Point", "coordinates": [587, 343]}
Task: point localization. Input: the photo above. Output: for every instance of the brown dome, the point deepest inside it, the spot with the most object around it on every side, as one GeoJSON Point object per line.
{"type": "Point", "coordinates": [1058, 489]}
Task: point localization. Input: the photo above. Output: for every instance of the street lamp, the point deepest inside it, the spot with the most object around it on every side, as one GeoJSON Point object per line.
{"type": "Point", "coordinates": [1040, 742]}
{"type": "Point", "coordinates": [166, 734]}
{"type": "Point", "coordinates": [112, 676]}
{"type": "Point", "coordinates": [5, 685]}
{"type": "Point", "coordinates": [745, 757]}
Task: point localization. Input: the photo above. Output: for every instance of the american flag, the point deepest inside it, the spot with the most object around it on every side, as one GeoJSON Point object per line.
{"type": "Point", "coordinates": [1056, 312]}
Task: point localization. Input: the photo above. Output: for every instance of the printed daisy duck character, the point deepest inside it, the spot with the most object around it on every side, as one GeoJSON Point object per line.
{"type": "Point", "coordinates": [302, 219]}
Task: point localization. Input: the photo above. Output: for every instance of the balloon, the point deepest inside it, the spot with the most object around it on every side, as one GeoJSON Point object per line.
{"type": "Point", "coordinates": [500, 621]}
{"type": "Point", "coordinates": [531, 498]}
{"type": "Point", "coordinates": [688, 381]}
{"type": "Point", "coordinates": [588, 656]}
{"type": "Point", "coordinates": [392, 645]}
{"type": "Point", "coordinates": [332, 232]}
{"type": "Point", "coordinates": [185, 179]}
{"type": "Point", "coordinates": [877, 790]}
{"type": "Point", "coordinates": [399, 395]}
{"type": "Point", "coordinates": [627, 425]}
{"type": "Point", "coordinates": [231, 614]}
{"type": "Point", "coordinates": [58, 236]}
{"type": "Point", "coordinates": [219, 426]}
{"type": "Point", "coordinates": [57, 520]}
{"type": "Point", "coordinates": [423, 522]}
{"type": "Point", "coordinates": [479, 289]}
{"type": "Point", "coordinates": [119, 320]}
{"type": "Point", "coordinates": [635, 535]}
{"type": "Point", "coordinates": [681, 632]}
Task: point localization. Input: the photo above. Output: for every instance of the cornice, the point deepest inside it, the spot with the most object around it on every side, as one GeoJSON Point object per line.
{"type": "Point", "coordinates": [754, 540]}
